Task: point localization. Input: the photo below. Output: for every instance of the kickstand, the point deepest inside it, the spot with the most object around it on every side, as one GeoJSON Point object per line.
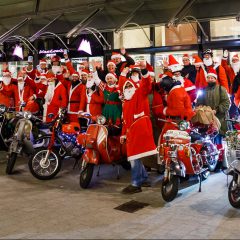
{"type": "Point", "coordinates": [98, 171]}
{"type": "Point", "coordinates": [118, 172]}
{"type": "Point", "coordinates": [200, 182]}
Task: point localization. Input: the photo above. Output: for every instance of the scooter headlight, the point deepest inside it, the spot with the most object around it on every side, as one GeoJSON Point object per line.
{"type": "Point", "coordinates": [101, 120]}
{"type": "Point", "coordinates": [27, 115]}
{"type": "Point", "coordinates": [183, 125]}
{"type": "Point", "coordinates": [3, 108]}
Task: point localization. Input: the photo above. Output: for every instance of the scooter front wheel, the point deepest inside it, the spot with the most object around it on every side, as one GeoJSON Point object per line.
{"type": "Point", "coordinates": [86, 174]}
{"type": "Point", "coordinates": [11, 162]}
{"type": "Point", "coordinates": [234, 194]}
{"type": "Point", "coordinates": [45, 165]}
{"type": "Point", "coordinates": [170, 188]}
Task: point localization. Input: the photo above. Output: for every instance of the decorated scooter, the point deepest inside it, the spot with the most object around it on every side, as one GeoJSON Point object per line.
{"type": "Point", "coordinates": [102, 146]}
{"type": "Point", "coordinates": [181, 157]}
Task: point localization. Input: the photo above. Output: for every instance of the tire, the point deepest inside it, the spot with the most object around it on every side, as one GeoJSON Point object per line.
{"type": "Point", "coordinates": [234, 196]}
{"type": "Point", "coordinates": [86, 175]}
{"type": "Point", "coordinates": [169, 195]}
{"type": "Point", "coordinates": [11, 162]}
{"type": "Point", "coordinates": [52, 167]}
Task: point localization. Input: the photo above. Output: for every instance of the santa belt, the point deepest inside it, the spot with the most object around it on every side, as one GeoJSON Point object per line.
{"type": "Point", "coordinates": [113, 102]}
{"type": "Point", "coordinates": [175, 117]}
{"type": "Point", "coordinates": [74, 102]}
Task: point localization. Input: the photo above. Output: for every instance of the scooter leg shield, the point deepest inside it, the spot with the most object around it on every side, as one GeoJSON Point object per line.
{"type": "Point", "coordinates": [91, 156]}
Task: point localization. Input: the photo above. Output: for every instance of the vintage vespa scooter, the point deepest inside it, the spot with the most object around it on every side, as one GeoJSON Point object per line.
{"type": "Point", "coordinates": [181, 157]}
{"type": "Point", "coordinates": [102, 146]}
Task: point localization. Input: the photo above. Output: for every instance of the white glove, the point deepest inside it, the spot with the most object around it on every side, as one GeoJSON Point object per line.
{"type": "Point", "coordinates": [225, 54]}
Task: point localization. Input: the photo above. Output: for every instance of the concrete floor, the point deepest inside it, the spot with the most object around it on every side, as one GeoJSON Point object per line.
{"type": "Point", "coordinates": [59, 209]}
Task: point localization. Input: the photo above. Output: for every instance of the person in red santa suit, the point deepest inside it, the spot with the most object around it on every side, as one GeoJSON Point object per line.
{"type": "Point", "coordinates": [8, 91]}
{"type": "Point", "coordinates": [30, 70]}
{"type": "Point", "coordinates": [111, 68]}
{"type": "Point", "coordinates": [137, 129]}
{"type": "Point", "coordinates": [76, 95]}
{"type": "Point", "coordinates": [176, 70]}
{"type": "Point", "coordinates": [120, 65]}
{"type": "Point", "coordinates": [55, 97]}
{"type": "Point", "coordinates": [179, 105]}
{"type": "Point", "coordinates": [208, 65]}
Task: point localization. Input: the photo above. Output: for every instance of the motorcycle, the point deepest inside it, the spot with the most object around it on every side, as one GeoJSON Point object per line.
{"type": "Point", "coordinates": [181, 156]}
{"type": "Point", "coordinates": [232, 155]}
{"type": "Point", "coordinates": [102, 146]}
{"type": "Point", "coordinates": [53, 148]}
{"type": "Point", "coordinates": [21, 141]}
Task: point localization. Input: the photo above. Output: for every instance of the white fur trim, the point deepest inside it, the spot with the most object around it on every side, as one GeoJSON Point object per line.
{"type": "Point", "coordinates": [141, 155]}
{"type": "Point", "coordinates": [111, 63]}
{"type": "Point", "coordinates": [165, 111]}
{"type": "Point", "coordinates": [123, 74]}
{"type": "Point", "coordinates": [212, 74]}
{"type": "Point", "coordinates": [175, 87]}
{"type": "Point", "coordinates": [116, 56]}
{"type": "Point", "coordinates": [190, 88]}
{"type": "Point", "coordinates": [176, 67]}
{"type": "Point", "coordinates": [135, 116]}
{"type": "Point", "coordinates": [75, 75]}
{"type": "Point", "coordinates": [152, 74]}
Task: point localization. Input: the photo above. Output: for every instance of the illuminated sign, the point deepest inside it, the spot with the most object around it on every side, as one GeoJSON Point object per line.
{"type": "Point", "coordinates": [85, 46]}
{"type": "Point", "coordinates": [51, 51]}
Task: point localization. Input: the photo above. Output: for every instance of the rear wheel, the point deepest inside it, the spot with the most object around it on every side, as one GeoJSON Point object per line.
{"type": "Point", "coordinates": [45, 165]}
{"type": "Point", "coordinates": [11, 162]}
{"type": "Point", "coordinates": [86, 174]}
{"type": "Point", "coordinates": [234, 194]}
{"type": "Point", "coordinates": [170, 188]}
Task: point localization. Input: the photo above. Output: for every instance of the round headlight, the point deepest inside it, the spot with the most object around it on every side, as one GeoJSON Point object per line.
{"type": "Point", "coordinates": [27, 115]}
{"type": "Point", "coordinates": [183, 125]}
{"type": "Point", "coordinates": [101, 120]}
{"type": "Point", "coordinates": [3, 108]}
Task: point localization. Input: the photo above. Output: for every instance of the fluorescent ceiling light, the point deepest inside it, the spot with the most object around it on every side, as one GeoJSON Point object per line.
{"type": "Point", "coordinates": [18, 51]}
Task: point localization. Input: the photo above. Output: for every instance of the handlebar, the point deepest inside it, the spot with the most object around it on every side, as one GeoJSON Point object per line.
{"type": "Point", "coordinates": [232, 120]}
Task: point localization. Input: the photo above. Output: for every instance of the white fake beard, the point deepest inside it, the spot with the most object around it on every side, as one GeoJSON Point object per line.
{"type": "Point", "coordinates": [236, 67]}
{"type": "Point", "coordinates": [135, 78]}
{"type": "Point", "coordinates": [6, 80]}
{"type": "Point", "coordinates": [208, 62]}
{"type": "Point", "coordinates": [128, 93]}
{"type": "Point", "coordinates": [90, 83]}
{"type": "Point", "coordinates": [179, 78]}
{"type": "Point", "coordinates": [50, 92]}
{"type": "Point", "coordinates": [20, 85]}
{"type": "Point", "coordinates": [56, 69]}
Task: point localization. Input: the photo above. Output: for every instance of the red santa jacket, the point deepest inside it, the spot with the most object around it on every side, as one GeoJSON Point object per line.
{"type": "Point", "coordinates": [178, 103]}
{"type": "Point", "coordinates": [76, 98]}
{"type": "Point", "coordinates": [137, 124]}
{"type": "Point", "coordinates": [190, 89]}
{"type": "Point", "coordinates": [94, 102]}
{"type": "Point", "coordinates": [201, 77]}
{"type": "Point", "coordinates": [32, 73]}
{"type": "Point", "coordinates": [9, 95]}
{"type": "Point", "coordinates": [38, 87]}
{"type": "Point", "coordinates": [54, 99]}
{"type": "Point", "coordinates": [229, 71]}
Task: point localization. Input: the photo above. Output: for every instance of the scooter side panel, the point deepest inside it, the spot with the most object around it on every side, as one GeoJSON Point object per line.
{"type": "Point", "coordinates": [91, 156]}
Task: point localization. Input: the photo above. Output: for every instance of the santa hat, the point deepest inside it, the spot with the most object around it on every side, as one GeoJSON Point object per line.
{"type": "Point", "coordinates": [85, 72]}
{"type": "Point", "coordinates": [235, 57]}
{"type": "Point", "coordinates": [113, 75]}
{"type": "Point", "coordinates": [173, 64]}
{"type": "Point", "coordinates": [82, 66]}
{"type": "Point", "coordinates": [134, 67]}
{"type": "Point", "coordinates": [212, 72]}
{"type": "Point", "coordinates": [55, 59]}
{"type": "Point", "coordinates": [186, 56]}
{"type": "Point", "coordinates": [116, 55]}
{"type": "Point", "coordinates": [75, 74]}
{"type": "Point", "coordinates": [50, 75]}
{"type": "Point", "coordinates": [150, 69]}
{"type": "Point", "coordinates": [111, 62]}
{"type": "Point", "coordinates": [6, 73]}
{"type": "Point", "coordinates": [43, 61]}
{"type": "Point", "coordinates": [197, 61]}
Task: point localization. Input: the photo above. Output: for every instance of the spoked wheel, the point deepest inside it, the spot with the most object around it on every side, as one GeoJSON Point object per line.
{"type": "Point", "coordinates": [45, 164]}
{"type": "Point", "coordinates": [234, 194]}
{"type": "Point", "coordinates": [170, 188]}
{"type": "Point", "coordinates": [11, 162]}
{"type": "Point", "coordinates": [86, 174]}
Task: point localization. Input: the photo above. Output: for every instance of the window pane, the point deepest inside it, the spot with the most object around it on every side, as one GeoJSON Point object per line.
{"type": "Point", "coordinates": [224, 29]}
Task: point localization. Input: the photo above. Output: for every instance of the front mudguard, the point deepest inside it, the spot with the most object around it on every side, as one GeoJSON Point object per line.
{"type": "Point", "coordinates": [178, 168]}
{"type": "Point", "coordinates": [91, 156]}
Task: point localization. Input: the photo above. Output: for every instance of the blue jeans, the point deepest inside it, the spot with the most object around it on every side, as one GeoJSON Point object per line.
{"type": "Point", "coordinates": [138, 172]}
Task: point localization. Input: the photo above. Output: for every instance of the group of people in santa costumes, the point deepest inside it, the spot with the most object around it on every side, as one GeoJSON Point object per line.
{"type": "Point", "coordinates": [121, 93]}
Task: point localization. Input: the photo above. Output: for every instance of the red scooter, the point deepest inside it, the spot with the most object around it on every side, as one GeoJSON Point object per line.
{"type": "Point", "coordinates": [102, 146]}
{"type": "Point", "coordinates": [181, 157]}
